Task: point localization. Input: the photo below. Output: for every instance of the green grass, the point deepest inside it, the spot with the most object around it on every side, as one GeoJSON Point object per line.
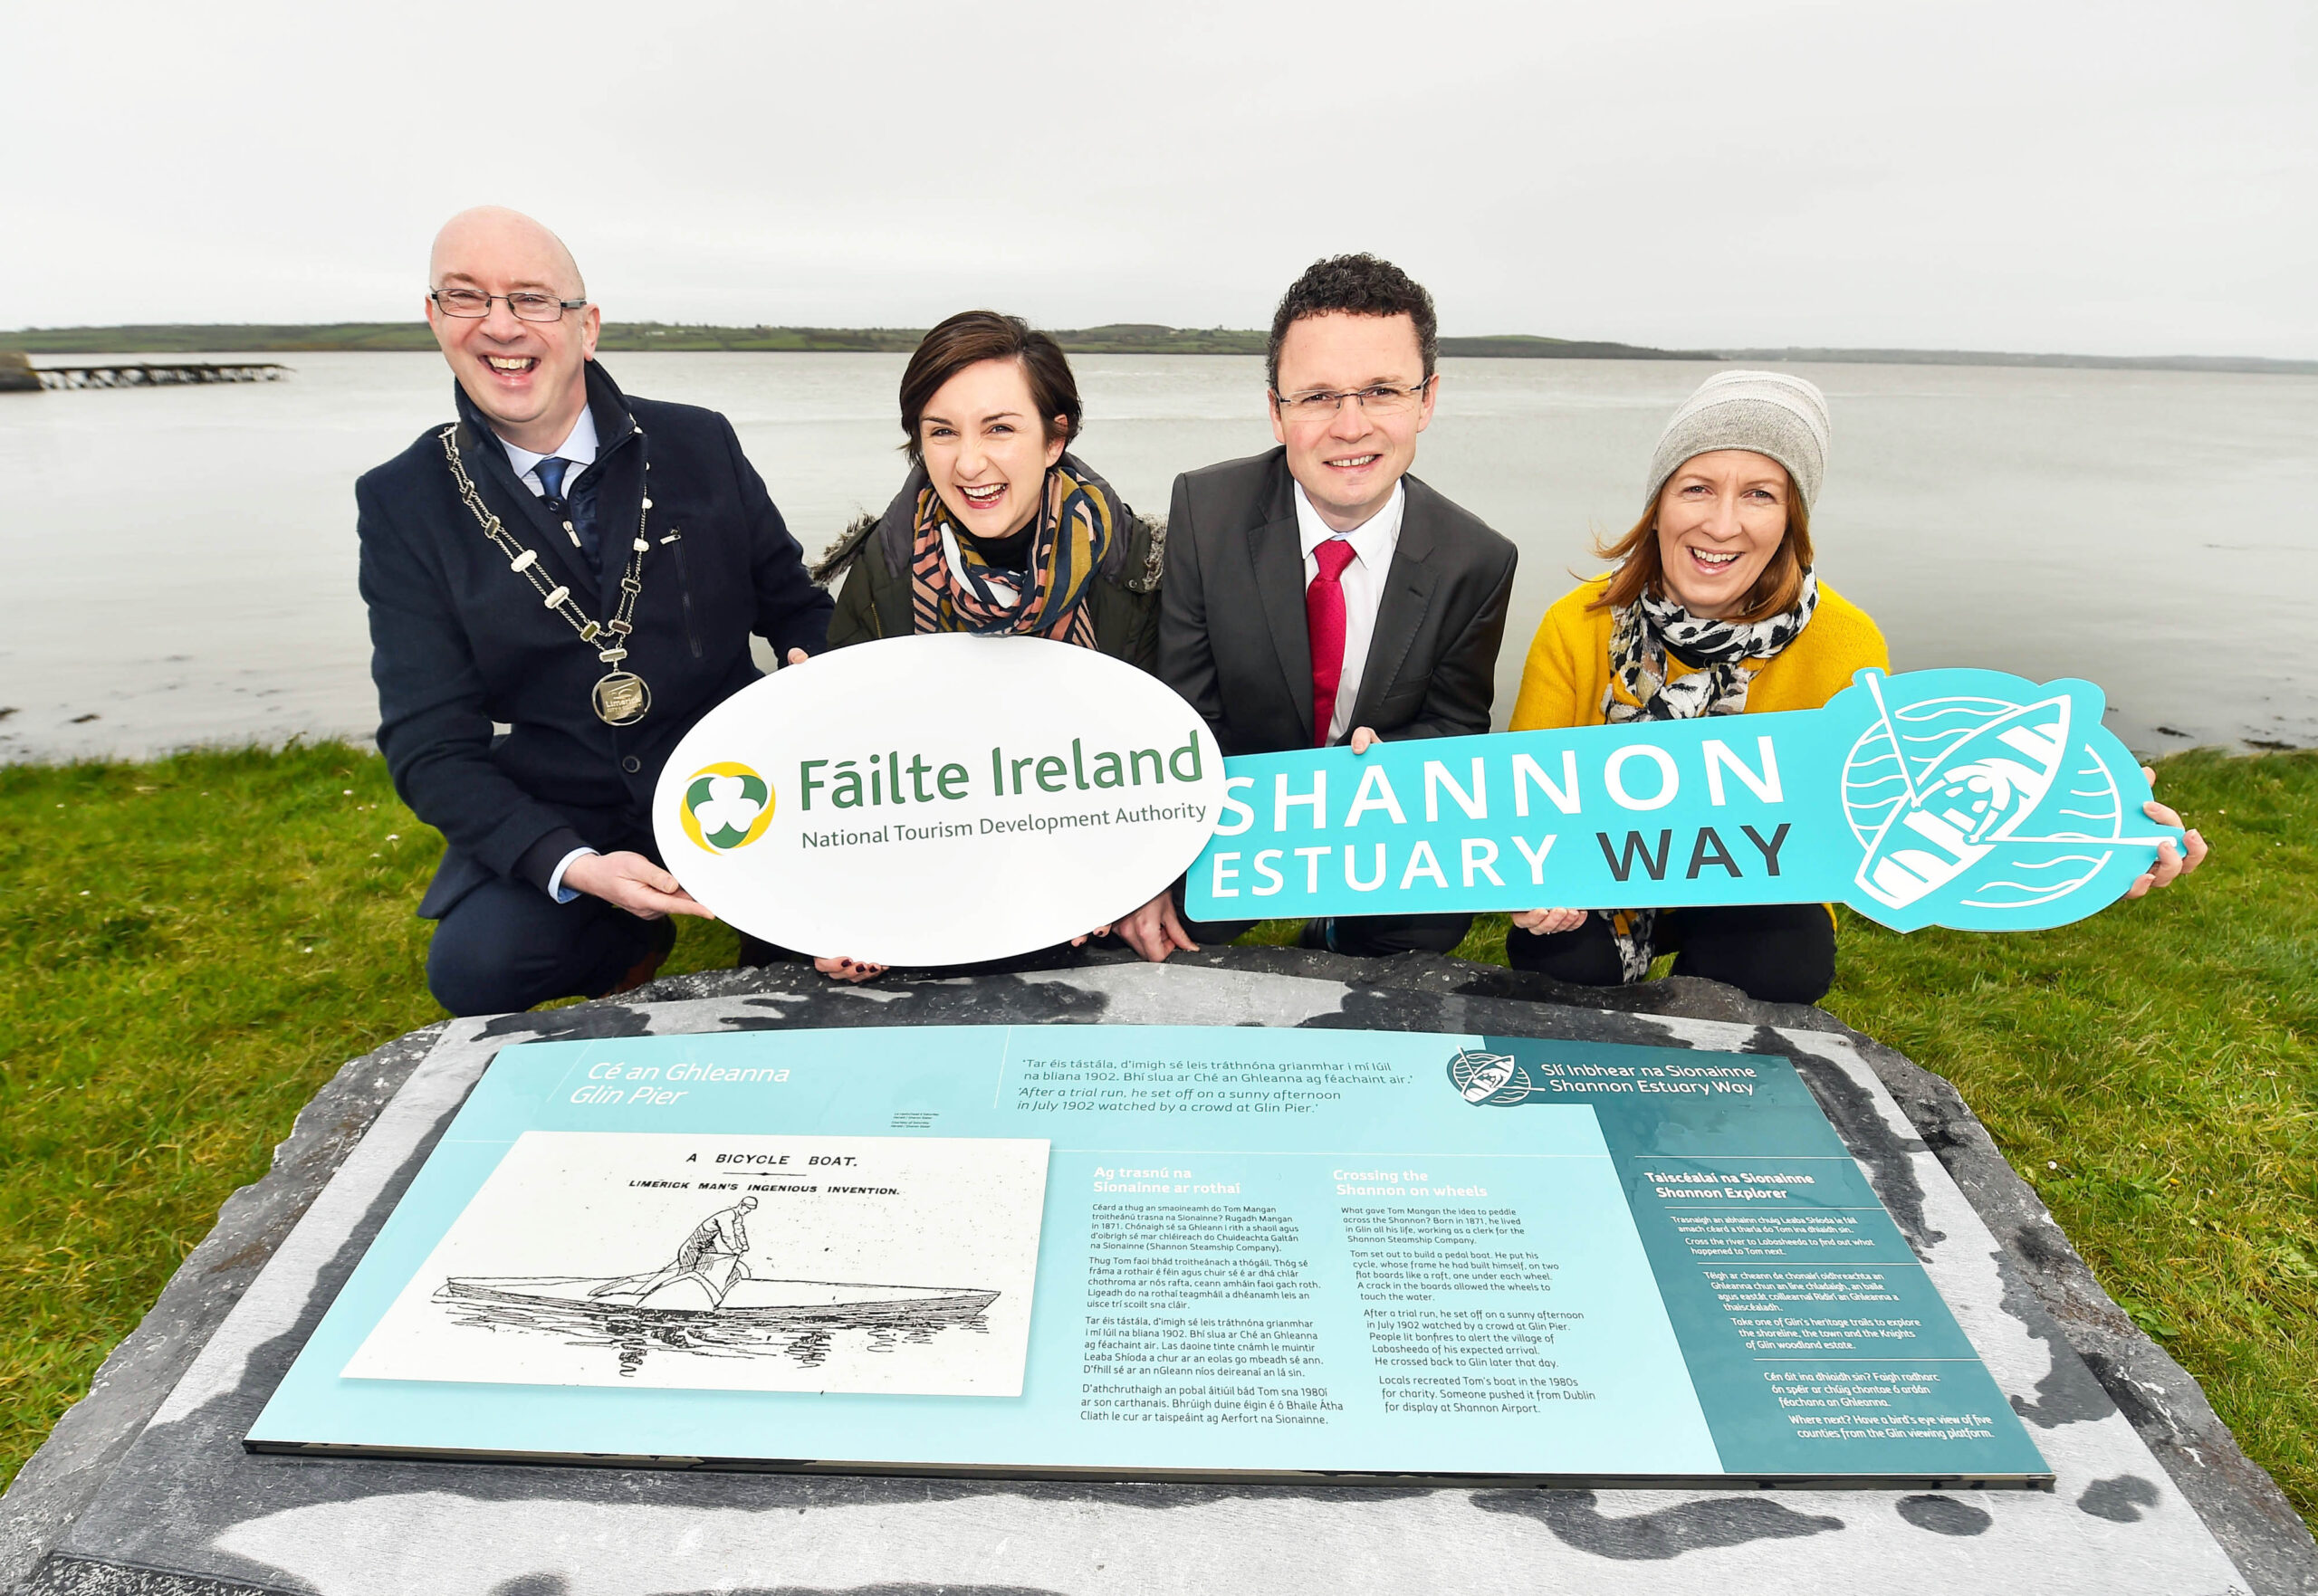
{"type": "Point", "coordinates": [189, 948]}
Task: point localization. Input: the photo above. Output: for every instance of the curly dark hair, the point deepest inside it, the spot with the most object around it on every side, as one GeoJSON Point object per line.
{"type": "Point", "coordinates": [1359, 285]}
{"type": "Point", "coordinates": [971, 337]}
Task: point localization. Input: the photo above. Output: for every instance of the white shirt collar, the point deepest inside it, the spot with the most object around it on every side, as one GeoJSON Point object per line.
{"type": "Point", "coordinates": [579, 448]}
{"type": "Point", "coordinates": [1373, 541]}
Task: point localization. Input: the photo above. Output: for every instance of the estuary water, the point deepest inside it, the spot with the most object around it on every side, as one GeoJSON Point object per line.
{"type": "Point", "coordinates": [180, 561]}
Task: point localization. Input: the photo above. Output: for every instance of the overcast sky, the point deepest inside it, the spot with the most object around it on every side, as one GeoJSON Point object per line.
{"type": "Point", "coordinates": [2119, 178]}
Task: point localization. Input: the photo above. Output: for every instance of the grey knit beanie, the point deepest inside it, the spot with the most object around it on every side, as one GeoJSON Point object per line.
{"type": "Point", "coordinates": [1768, 412]}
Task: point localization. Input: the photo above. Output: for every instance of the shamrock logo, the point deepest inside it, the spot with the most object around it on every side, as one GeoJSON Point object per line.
{"type": "Point", "coordinates": [726, 806]}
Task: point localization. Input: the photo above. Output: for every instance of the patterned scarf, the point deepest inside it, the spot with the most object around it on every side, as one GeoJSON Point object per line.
{"type": "Point", "coordinates": [1639, 636]}
{"type": "Point", "coordinates": [1075, 529]}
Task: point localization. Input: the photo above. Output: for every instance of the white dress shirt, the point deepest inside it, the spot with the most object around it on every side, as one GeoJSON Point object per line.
{"type": "Point", "coordinates": [1373, 542]}
{"type": "Point", "coordinates": [579, 448]}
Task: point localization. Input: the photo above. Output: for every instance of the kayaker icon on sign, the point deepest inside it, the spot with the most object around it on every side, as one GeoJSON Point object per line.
{"type": "Point", "coordinates": [1982, 808]}
{"type": "Point", "coordinates": [1494, 1080]}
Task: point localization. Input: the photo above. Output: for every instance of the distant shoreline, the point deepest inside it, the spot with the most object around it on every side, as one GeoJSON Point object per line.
{"type": "Point", "coordinates": [1125, 338]}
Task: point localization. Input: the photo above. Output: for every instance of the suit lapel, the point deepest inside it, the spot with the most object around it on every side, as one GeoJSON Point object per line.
{"type": "Point", "coordinates": [1408, 593]}
{"type": "Point", "coordinates": [1278, 554]}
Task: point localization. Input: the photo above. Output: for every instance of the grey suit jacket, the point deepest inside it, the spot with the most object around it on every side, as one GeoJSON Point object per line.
{"type": "Point", "coordinates": [1232, 634]}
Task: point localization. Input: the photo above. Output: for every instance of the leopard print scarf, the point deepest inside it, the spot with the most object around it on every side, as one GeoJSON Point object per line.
{"type": "Point", "coordinates": [1641, 634]}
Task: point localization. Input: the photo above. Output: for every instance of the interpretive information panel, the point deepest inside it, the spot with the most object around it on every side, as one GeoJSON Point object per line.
{"type": "Point", "coordinates": [1150, 1251]}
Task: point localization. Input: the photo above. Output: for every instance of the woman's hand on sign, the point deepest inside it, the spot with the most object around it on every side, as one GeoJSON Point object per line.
{"type": "Point", "coordinates": [848, 969]}
{"type": "Point", "coordinates": [1363, 739]}
{"type": "Point", "coordinates": [633, 883]}
{"type": "Point", "coordinates": [1086, 937]}
{"type": "Point", "coordinates": [2170, 861]}
{"type": "Point", "coordinates": [797, 656]}
{"type": "Point", "coordinates": [1154, 931]}
{"type": "Point", "coordinates": [1548, 922]}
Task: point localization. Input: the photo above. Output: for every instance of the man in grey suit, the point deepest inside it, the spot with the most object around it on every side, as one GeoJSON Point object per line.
{"type": "Point", "coordinates": [1318, 594]}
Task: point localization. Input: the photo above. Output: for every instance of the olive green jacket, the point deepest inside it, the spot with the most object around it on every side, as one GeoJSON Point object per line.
{"type": "Point", "coordinates": [875, 601]}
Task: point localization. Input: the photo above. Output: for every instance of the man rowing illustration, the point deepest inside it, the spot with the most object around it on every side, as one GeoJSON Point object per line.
{"type": "Point", "coordinates": [725, 1234]}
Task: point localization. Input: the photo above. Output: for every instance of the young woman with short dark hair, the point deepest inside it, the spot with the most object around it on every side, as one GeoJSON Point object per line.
{"type": "Point", "coordinates": [999, 528]}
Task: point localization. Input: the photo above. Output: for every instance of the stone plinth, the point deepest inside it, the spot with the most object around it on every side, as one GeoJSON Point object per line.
{"type": "Point", "coordinates": [145, 1487]}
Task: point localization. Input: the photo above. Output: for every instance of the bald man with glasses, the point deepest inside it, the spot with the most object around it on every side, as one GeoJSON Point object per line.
{"type": "Point", "coordinates": [585, 569]}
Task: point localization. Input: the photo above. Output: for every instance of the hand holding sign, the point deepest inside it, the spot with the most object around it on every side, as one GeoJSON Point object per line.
{"type": "Point", "coordinates": [2172, 862]}
{"type": "Point", "coordinates": [1156, 931]}
{"type": "Point", "coordinates": [1547, 923]}
{"type": "Point", "coordinates": [631, 882]}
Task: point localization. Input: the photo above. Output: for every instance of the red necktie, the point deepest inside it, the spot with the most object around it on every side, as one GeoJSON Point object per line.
{"type": "Point", "coordinates": [1323, 619]}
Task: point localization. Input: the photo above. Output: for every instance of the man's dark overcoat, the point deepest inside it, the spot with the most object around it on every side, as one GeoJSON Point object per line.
{"type": "Point", "coordinates": [459, 641]}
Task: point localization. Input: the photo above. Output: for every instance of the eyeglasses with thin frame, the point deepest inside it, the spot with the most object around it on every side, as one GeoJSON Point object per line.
{"type": "Point", "coordinates": [470, 303]}
{"type": "Point", "coordinates": [1377, 399]}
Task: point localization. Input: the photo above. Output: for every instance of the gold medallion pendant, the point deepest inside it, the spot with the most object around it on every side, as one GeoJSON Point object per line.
{"type": "Point", "coordinates": [622, 699]}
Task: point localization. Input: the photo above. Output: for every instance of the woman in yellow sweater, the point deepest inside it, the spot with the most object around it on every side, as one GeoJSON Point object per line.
{"type": "Point", "coordinates": [1712, 609]}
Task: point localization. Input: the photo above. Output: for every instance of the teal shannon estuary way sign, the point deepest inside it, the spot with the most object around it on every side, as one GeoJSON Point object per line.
{"type": "Point", "coordinates": [1151, 1252]}
{"type": "Point", "coordinates": [1956, 797]}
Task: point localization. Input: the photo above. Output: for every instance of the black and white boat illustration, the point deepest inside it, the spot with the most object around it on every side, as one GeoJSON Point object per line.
{"type": "Point", "coordinates": [772, 1303]}
{"type": "Point", "coordinates": [707, 1302]}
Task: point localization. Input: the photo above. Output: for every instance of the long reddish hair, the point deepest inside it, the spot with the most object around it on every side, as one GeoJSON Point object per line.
{"type": "Point", "coordinates": [1774, 592]}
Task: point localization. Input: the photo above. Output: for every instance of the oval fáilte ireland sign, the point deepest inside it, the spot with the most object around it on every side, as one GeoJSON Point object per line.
{"type": "Point", "coordinates": [938, 799]}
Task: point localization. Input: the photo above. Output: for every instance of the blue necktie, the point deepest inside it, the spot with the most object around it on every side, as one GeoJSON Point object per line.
{"type": "Point", "coordinates": [579, 518]}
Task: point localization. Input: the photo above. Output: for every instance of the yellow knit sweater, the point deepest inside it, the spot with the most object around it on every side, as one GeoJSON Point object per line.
{"type": "Point", "coordinates": [1569, 667]}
